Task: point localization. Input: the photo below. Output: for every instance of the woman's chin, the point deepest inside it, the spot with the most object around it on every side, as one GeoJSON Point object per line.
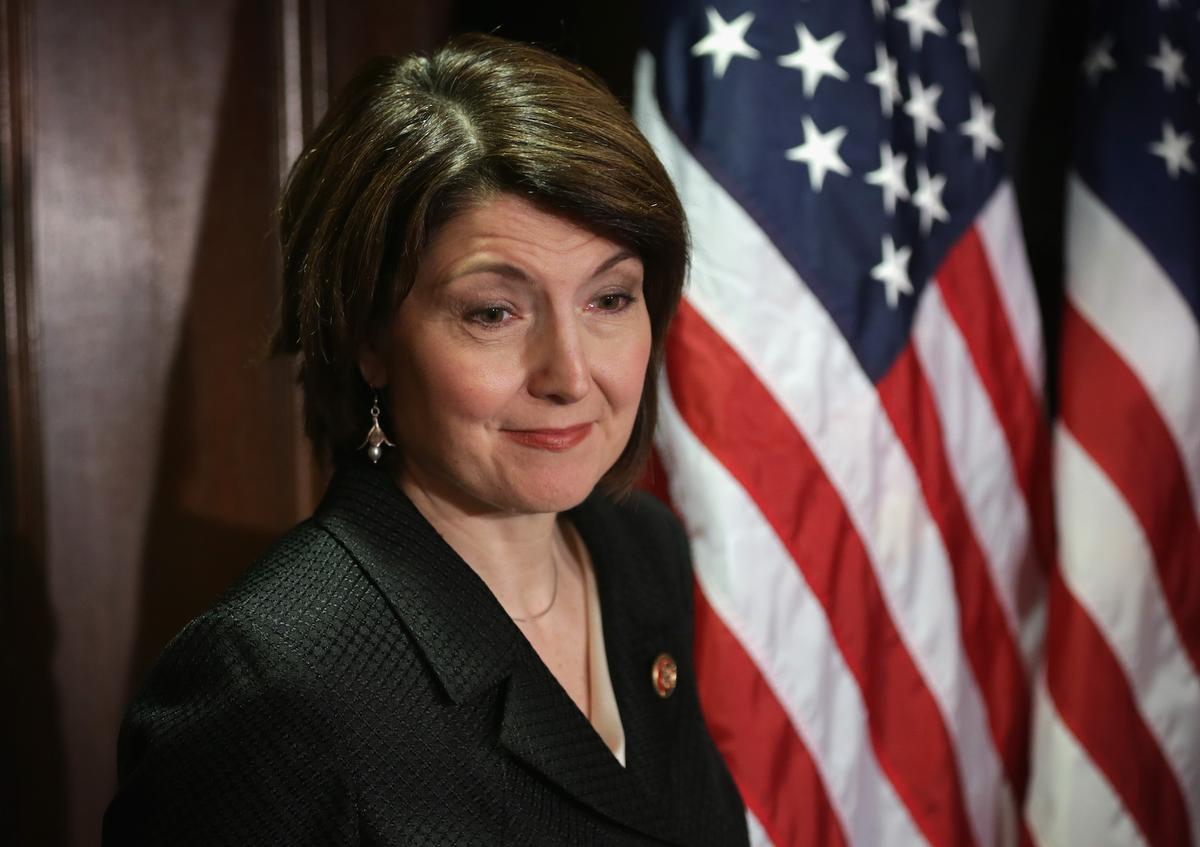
{"type": "Point", "coordinates": [548, 496]}
{"type": "Point", "coordinates": [479, 487]}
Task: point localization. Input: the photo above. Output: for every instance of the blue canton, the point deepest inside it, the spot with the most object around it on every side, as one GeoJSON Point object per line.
{"type": "Point", "coordinates": [854, 133]}
{"type": "Point", "coordinates": [1138, 124]}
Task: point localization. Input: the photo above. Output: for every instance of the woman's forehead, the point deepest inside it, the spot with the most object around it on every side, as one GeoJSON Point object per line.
{"type": "Point", "coordinates": [509, 236]}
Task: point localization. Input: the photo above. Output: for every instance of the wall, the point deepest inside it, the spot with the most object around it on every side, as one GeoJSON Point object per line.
{"type": "Point", "coordinates": [158, 454]}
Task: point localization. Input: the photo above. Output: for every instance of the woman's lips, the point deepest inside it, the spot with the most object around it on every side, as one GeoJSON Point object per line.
{"type": "Point", "coordinates": [555, 440]}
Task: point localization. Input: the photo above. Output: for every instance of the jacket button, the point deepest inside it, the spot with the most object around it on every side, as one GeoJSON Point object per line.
{"type": "Point", "coordinates": [664, 674]}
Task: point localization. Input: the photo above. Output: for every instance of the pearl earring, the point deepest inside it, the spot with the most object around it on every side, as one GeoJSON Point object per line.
{"type": "Point", "coordinates": [375, 440]}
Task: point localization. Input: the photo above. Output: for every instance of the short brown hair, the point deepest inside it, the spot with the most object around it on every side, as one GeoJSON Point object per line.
{"type": "Point", "coordinates": [411, 141]}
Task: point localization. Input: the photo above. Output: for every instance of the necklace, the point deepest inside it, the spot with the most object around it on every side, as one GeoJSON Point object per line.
{"type": "Point", "coordinates": [553, 596]}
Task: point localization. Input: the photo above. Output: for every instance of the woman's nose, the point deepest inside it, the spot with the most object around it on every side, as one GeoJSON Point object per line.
{"type": "Point", "coordinates": [558, 365]}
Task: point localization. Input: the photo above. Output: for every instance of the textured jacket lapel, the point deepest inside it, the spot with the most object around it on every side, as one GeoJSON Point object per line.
{"type": "Point", "coordinates": [472, 646]}
{"type": "Point", "coordinates": [640, 622]}
{"type": "Point", "coordinates": [457, 623]}
{"type": "Point", "coordinates": [559, 743]}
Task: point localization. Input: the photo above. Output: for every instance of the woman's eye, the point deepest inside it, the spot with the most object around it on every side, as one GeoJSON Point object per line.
{"type": "Point", "coordinates": [490, 316]}
{"type": "Point", "coordinates": [613, 302]}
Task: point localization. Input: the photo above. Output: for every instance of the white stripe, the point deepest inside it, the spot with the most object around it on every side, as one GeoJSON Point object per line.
{"type": "Point", "coordinates": [747, 290]}
{"type": "Point", "coordinates": [758, 835]}
{"type": "Point", "coordinates": [1070, 802]}
{"type": "Point", "coordinates": [752, 583]}
{"type": "Point", "coordinates": [1127, 297]}
{"type": "Point", "coordinates": [982, 467]}
{"type": "Point", "coordinates": [999, 228]}
{"type": "Point", "coordinates": [1107, 563]}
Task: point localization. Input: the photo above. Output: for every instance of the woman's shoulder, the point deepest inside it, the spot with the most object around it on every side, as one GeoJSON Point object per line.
{"type": "Point", "coordinates": [273, 647]}
{"type": "Point", "coordinates": [304, 562]}
{"type": "Point", "coordinates": [232, 735]}
{"type": "Point", "coordinates": [282, 622]}
{"type": "Point", "coordinates": [276, 593]}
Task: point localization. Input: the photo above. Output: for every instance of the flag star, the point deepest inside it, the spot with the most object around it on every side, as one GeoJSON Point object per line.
{"type": "Point", "coordinates": [922, 108]}
{"type": "Point", "coordinates": [1169, 62]}
{"type": "Point", "coordinates": [1099, 59]}
{"type": "Point", "coordinates": [725, 40]}
{"type": "Point", "coordinates": [893, 271]}
{"type": "Point", "coordinates": [820, 152]}
{"type": "Point", "coordinates": [890, 176]}
{"type": "Point", "coordinates": [981, 128]}
{"type": "Point", "coordinates": [1173, 149]}
{"type": "Point", "coordinates": [969, 40]}
{"type": "Point", "coordinates": [928, 198]}
{"type": "Point", "coordinates": [921, 17]}
{"type": "Point", "coordinates": [879, 7]}
{"type": "Point", "coordinates": [814, 58]}
{"type": "Point", "coordinates": [884, 78]}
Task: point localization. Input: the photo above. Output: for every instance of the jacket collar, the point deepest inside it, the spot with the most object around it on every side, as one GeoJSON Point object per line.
{"type": "Point", "coordinates": [472, 645]}
{"type": "Point", "coordinates": [455, 620]}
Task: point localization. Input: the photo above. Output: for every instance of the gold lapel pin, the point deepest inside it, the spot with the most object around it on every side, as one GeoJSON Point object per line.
{"type": "Point", "coordinates": [664, 674]}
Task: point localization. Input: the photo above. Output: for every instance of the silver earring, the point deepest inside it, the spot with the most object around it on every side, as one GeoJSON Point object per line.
{"type": "Point", "coordinates": [375, 440]}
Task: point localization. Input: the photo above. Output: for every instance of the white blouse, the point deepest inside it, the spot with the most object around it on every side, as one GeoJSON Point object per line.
{"type": "Point", "coordinates": [605, 716]}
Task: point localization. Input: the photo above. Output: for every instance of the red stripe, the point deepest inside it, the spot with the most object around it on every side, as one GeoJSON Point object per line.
{"type": "Point", "coordinates": [986, 635]}
{"type": "Point", "coordinates": [774, 772]}
{"type": "Point", "coordinates": [770, 764]}
{"type": "Point", "coordinates": [968, 288]}
{"type": "Point", "coordinates": [1116, 422]}
{"type": "Point", "coordinates": [1095, 700]}
{"type": "Point", "coordinates": [739, 422]}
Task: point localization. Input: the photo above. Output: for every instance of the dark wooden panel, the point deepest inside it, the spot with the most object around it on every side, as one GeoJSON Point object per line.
{"type": "Point", "coordinates": [168, 450]}
{"type": "Point", "coordinates": [379, 27]}
{"type": "Point", "coordinates": [32, 758]}
{"type": "Point", "coordinates": [140, 274]}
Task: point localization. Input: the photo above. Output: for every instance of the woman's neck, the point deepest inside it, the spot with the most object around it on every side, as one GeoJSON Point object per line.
{"type": "Point", "coordinates": [514, 554]}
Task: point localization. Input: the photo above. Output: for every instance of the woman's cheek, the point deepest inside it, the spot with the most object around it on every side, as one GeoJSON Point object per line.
{"type": "Point", "coordinates": [478, 388]}
{"type": "Point", "coordinates": [634, 360]}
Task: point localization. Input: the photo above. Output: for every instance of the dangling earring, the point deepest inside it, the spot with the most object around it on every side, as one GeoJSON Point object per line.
{"type": "Point", "coordinates": [375, 440]}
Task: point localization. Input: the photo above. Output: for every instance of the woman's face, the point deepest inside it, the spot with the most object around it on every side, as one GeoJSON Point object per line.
{"type": "Point", "coordinates": [515, 366]}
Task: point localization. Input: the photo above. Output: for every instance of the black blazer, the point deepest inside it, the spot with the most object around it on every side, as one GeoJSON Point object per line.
{"type": "Point", "coordinates": [361, 685]}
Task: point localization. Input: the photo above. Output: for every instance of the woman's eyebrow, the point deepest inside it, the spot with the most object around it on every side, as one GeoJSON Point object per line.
{"type": "Point", "coordinates": [511, 271]}
{"type": "Point", "coordinates": [504, 269]}
{"type": "Point", "coordinates": [614, 260]}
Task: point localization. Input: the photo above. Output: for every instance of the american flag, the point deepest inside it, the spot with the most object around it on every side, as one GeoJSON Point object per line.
{"type": "Point", "coordinates": [852, 425]}
{"type": "Point", "coordinates": [1116, 756]}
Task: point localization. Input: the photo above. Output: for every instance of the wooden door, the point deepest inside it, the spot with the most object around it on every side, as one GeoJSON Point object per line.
{"type": "Point", "coordinates": [150, 453]}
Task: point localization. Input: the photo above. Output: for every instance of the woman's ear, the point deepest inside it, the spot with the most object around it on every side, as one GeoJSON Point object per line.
{"type": "Point", "coordinates": [372, 365]}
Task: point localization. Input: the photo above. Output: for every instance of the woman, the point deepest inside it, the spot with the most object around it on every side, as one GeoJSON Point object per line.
{"type": "Point", "coordinates": [481, 637]}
